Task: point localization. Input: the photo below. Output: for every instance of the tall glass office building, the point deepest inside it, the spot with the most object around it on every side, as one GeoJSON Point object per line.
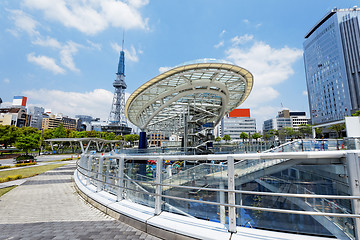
{"type": "Point", "coordinates": [332, 66]}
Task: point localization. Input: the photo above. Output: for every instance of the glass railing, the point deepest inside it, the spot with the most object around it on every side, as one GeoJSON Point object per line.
{"type": "Point", "coordinates": [258, 192]}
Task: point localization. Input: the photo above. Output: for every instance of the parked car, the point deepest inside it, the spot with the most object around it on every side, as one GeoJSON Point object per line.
{"type": "Point", "coordinates": [24, 159]}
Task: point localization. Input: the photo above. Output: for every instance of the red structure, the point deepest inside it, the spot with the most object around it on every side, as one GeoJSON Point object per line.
{"type": "Point", "coordinates": [243, 112]}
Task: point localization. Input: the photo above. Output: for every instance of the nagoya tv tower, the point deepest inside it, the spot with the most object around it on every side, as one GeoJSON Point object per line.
{"type": "Point", "coordinates": [117, 119]}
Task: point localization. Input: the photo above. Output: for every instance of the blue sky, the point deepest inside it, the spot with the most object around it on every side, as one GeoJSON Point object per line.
{"type": "Point", "coordinates": [63, 55]}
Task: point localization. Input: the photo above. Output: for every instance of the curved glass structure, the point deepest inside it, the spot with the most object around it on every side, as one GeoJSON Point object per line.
{"type": "Point", "coordinates": [202, 92]}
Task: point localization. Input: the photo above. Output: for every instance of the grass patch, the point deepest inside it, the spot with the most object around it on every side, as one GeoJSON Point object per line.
{"type": "Point", "coordinates": [29, 172]}
{"type": "Point", "coordinates": [5, 190]}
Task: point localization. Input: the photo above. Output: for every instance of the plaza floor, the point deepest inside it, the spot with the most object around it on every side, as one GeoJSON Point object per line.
{"type": "Point", "coordinates": [47, 207]}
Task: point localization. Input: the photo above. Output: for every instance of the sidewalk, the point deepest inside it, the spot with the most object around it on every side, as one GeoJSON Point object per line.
{"type": "Point", "coordinates": [47, 207]}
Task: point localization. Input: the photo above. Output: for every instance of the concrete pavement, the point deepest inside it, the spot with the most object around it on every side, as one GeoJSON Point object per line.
{"type": "Point", "coordinates": [48, 207]}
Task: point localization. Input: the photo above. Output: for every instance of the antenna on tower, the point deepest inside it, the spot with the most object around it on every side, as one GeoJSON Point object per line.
{"type": "Point", "coordinates": [122, 46]}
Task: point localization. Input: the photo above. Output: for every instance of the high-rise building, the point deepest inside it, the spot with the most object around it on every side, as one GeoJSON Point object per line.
{"type": "Point", "coordinates": [332, 65]}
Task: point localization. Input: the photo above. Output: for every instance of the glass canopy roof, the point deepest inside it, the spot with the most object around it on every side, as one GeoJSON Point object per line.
{"type": "Point", "coordinates": [203, 91]}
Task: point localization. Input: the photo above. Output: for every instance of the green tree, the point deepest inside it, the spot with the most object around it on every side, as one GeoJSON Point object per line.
{"type": "Point", "coordinates": [286, 132]}
{"type": "Point", "coordinates": [338, 128]}
{"type": "Point", "coordinates": [82, 134]}
{"type": "Point", "coordinates": [305, 130]}
{"type": "Point", "coordinates": [110, 136]}
{"type": "Point", "coordinates": [119, 137]}
{"type": "Point", "coordinates": [27, 142]}
{"type": "Point", "coordinates": [59, 132]}
{"type": "Point", "coordinates": [131, 138]}
{"type": "Point", "coordinates": [244, 136]}
{"type": "Point", "coordinates": [256, 136]}
{"type": "Point", "coordinates": [91, 133]}
{"type": "Point", "coordinates": [266, 136]}
{"type": "Point", "coordinates": [48, 133]}
{"type": "Point", "coordinates": [8, 135]}
{"type": "Point", "coordinates": [356, 114]}
{"type": "Point", "coordinates": [273, 133]}
{"type": "Point", "coordinates": [226, 138]}
{"type": "Point", "coordinates": [217, 139]}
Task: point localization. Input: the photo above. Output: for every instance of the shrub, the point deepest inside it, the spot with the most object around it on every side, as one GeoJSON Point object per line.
{"type": "Point", "coordinates": [24, 164]}
{"type": "Point", "coordinates": [10, 178]}
{"type": "Point", "coordinates": [6, 166]}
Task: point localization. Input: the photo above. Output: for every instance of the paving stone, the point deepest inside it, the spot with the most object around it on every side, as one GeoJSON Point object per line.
{"type": "Point", "coordinates": [48, 207]}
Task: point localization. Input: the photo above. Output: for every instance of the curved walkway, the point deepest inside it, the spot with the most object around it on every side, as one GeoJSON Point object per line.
{"type": "Point", "coordinates": [47, 207]}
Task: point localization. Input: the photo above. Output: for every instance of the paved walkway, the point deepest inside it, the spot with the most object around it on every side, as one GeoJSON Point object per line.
{"type": "Point", "coordinates": [48, 207]}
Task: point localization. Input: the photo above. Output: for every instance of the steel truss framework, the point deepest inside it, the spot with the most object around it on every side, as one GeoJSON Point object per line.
{"type": "Point", "coordinates": [201, 92]}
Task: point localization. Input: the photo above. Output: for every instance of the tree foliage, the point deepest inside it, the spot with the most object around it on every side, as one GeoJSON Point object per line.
{"type": "Point", "coordinates": [256, 136]}
{"type": "Point", "coordinates": [8, 135]}
{"type": "Point", "coordinates": [28, 142]}
{"type": "Point", "coordinates": [217, 139]}
{"type": "Point", "coordinates": [338, 128]}
{"type": "Point", "coordinates": [356, 114]}
{"type": "Point", "coordinates": [226, 138]}
{"type": "Point", "coordinates": [59, 132]}
{"type": "Point", "coordinates": [244, 136]}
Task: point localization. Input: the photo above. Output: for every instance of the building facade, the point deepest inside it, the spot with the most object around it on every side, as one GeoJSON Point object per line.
{"type": "Point", "coordinates": [14, 116]}
{"type": "Point", "coordinates": [54, 121]}
{"type": "Point", "coordinates": [37, 114]}
{"type": "Point", "coordinates": [284, 119]}
{"type": "Point", "coordinates": [235, 123]}
{"type": "Point", "coordinates": [332, 66]}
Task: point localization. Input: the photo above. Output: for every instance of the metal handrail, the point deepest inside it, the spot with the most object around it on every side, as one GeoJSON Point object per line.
{"type": "Point", "coordinates": [235, 191]}
{"type": "Point", "coordinates": [224, 190]}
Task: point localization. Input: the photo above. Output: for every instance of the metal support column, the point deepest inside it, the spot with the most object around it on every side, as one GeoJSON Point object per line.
{"type": "Point", "coordinates": [222, 200]}
{"type": "Point", "coordinates": [353, 169]}
{"type": "Point", "coordinates": [158, 190]}
{"type": "Point", "coordinates": [120, 193]}
{"type": "Point", "coordinates": [100, 176]}
{"type": "Point", "coordinates": [231, 194]}
{"type": "Point", "coordinates": [89, 163]}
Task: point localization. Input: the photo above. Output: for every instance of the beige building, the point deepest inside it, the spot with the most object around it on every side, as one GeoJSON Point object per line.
{"type": "Point", "coordinates": [14, 116]}
{"type": "Point", "coordinates": [52, 122]}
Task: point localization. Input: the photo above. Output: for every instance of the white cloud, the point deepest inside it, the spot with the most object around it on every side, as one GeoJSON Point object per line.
{"type": "Point", "coordinates": [116, 47]}
{"type": "Point", "coordinates": [6, 80]}
{"type": "Point", "coordinates": [130, 55]}
{"type": "Point", "coordinates": [23, 23]}
{"type": "Point", "coordinates": [220, 44]}
{"type": "Point", "coordinates": [66, 55]}
{"type": "Point", "coordinates": [46, 63]}
{"type": "Point", "coordinates": [96, 46]}
{"type": "Point", "coordinates": [138, 3]}
{"type": "Point", "coordinates": [222, 33]}
{"type": "Point", "coordinates": [242, 39]}
{"type": "Point", "coordinates": [305, 93]}
{"type": "Point", "coordinates": [92, 17]}
{"type": "Point", "coordinates": [269, 66]}
{"type": "Point", "coordinates": [246, 21]}
{"type": "Point", "coordinates": [96, 103]}
{"type": "Point", "coordinates": [46, 42]}
{"type": "Point", "coordinates": [263, 113]}
{"type": "Point", "coordinates": [164, 69]}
